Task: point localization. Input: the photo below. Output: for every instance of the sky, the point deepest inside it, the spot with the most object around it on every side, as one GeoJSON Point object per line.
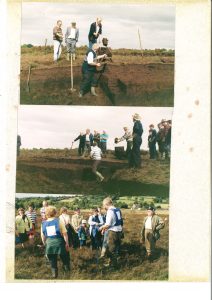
{"type": "Point", "coordinates": [57, 126]}
{"type": "Point", "coordinates": [121, 22]}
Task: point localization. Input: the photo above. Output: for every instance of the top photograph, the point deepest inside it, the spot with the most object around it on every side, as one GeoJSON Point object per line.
{"type": "Point", "coordinates": [97, 54]}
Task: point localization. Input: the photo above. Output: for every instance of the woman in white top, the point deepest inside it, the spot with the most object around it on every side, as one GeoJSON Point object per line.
{"type": "Point", "coordinates": [65, 218]}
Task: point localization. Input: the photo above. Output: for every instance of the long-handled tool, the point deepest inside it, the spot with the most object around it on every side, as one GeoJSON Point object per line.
{"type": "Point", "coordinates": [140, 42]}
{"type": "Point", "coordinates": [72, 76]}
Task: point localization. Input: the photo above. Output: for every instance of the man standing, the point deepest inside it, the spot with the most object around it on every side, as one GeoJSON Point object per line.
{"type": "Point", "coordinates": [113, 224]}
{"type": "Point", "coordinates": [135, 159]}
{"type": "Point", "coordinates": [76, 221]}
{"type": "Point", "coordinates": [103, 142]}
{"type": "Point", "coordinates": [88, 142]}
{"type": "Point", "coordinates": [129, 139]}
{"type": "Point", "coordinates": [71, 38]}
{"type": "Point", "coordinates": [58, 38]}
{"type": "Point", "coordinates": [150, 231]}
{"type": "Point", "coordinates": [152, 138]}
{"type": "Point", "coordinates": [94, 32]}
{"type": "Point", "coordinates": [168, 139]}
{"type": "Point", "coordinates": [18, 144]}
{"type": "Point", "coordinates": [81, 148]}
{"type": "Point", "coordinates": [43, 210]}
{"type": "Point", "coordinates": [89, 81]}
{"type": "Point", "coordinates": [96, 156]}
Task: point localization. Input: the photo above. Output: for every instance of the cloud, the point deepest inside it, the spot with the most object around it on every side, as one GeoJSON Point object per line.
{"type": "Point", "coordinates": [58, 126]}
{"type": "Point", "coordinates": [120, 23]}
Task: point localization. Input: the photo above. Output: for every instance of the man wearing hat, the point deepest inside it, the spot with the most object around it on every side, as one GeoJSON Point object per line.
{"type": "Point", "coordinates": [150, 231]}
{"type": "Point", "coordinates": [71, 38]}
{"type": "Point", "coordinates": [135, 159]}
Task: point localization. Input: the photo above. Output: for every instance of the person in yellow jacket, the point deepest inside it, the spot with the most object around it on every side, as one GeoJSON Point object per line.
{"type": "Point", "coordinates": [150, 231]}
{"type": "Point", "coordinates": [23, 225]}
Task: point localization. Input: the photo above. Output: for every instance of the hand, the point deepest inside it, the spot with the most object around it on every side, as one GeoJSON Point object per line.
{"type": "Point", "coordinates": [98, 65]}
{"type": "Point", "coordinates": [67, 247]}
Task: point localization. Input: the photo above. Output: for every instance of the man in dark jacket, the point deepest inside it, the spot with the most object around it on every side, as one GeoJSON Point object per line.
{"type": "Point", "coordinates": [135, 161]}
{"type": "Point", "coordinates": [94, 32]}
{"type": "Point", "coordinates": [81, 147]}
{"type": "Point", "coordinates": [152, 138]}
{"type": "Point", "coordinates": [89, 81]}
{"type": "Point", "coordinates": [18, 144]}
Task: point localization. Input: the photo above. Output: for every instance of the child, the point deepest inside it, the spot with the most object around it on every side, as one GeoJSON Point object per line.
{"type": "Point", "coordinates": [83, 233]}
{"type": "Point", "coordinates": [31, 214]}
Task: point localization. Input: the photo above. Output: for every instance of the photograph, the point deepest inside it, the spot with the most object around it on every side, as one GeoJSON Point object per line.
{"type": "Point", "coordinates": [97, 54]}
{"type": "Point", "coordinates": [91, 237]}
{"type": "Point", "coordinates": [65, 150]}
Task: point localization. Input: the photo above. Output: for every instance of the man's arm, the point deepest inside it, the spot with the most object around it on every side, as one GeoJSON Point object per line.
{"type": "Point", "coordinates": [160, 223]}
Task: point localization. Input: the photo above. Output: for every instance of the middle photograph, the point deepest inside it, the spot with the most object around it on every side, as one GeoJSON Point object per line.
{"type": "Point", "coordinates": [93, 150]}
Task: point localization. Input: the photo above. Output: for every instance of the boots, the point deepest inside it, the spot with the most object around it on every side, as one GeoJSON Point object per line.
{"type": "Point", "coordinates": [93, 91]}
{"type": "Point", "coordinates": [54, 273]}
{"type": "Point", "coordinates": [100, 176]}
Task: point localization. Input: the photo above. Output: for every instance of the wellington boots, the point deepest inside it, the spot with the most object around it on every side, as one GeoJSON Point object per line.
{"type": "Point", "coordinates": [54, 273]}
{"type": "Point", "coordinates": [93, 91]}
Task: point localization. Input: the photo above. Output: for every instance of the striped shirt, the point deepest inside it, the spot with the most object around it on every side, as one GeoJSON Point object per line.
{"type": "Point", "coordinates": [32, 216]}
{"type": "Point", "coordinates": [96, 153]}
{"type": "Point", "coordinates": [127, 136]}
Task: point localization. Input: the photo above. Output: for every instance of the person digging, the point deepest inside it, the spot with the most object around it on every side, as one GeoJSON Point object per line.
{"type": "Point", "coordinates": [96, 156]}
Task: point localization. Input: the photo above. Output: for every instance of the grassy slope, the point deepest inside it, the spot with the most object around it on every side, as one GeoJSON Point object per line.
{"type": "Point", "coordinates": [133, 266]}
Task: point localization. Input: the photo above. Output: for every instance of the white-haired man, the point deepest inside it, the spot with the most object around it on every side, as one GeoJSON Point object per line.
{"type": "Point", "coordinates": [94, 32]}
{"type": "Point", "coordinates": [58, 39]}
{"type": "Point", "coordinates": [114, 226]}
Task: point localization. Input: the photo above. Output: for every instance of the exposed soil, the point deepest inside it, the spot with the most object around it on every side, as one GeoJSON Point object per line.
{"type": "Point", "coordinates": [122, 85]}
{"type": "Point", "coordinates": [74, 176]}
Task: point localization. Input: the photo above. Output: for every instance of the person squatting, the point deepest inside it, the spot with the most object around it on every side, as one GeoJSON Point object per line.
{"type": "Point", "coordinates": [103, 232]}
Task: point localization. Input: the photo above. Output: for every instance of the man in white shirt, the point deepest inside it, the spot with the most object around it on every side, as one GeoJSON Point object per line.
{"type": "Point", "coordinates": [89, 81]}
{"type": "Point", "coordinates": [150, 231]}
{"type": "Point", "coordinates": [96, 156]}
{"type": "Point", "coordinates": [58, 39]}
{"type": "Point", "coordinates": [114, 226]}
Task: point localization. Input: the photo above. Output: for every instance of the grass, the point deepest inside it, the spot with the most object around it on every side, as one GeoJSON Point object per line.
{"type": "Point", "coordinates": [58, 171]}
{"type": "Point", "coordinates": [31, 265]}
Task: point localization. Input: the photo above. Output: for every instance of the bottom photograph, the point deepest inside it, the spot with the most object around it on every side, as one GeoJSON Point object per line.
{"type": "Point", "coordinates": [91, 237]}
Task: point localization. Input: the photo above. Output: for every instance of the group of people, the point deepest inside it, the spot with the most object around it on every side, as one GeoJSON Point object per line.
{"type": "Point", "coordinates": [58, 234]}
{"type": "Point", "coordinates": [95, 144]}
{"type": "Point", "coordinates": [162, 138]}
{"type": "Point", "coordinates": [95, 59]}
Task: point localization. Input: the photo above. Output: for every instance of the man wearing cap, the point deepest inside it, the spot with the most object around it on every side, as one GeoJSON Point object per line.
{"type": "Point", "coordinates": [57, 38]}
{"type": "Point", "coordinates": [129, 139]}
{"type": "Point", "coordinates": [135, 158]}
{"type": "Point", "coordinates": [150, 231]}
{"type": "Point", "coordinates": [71, 38]}
{"type": "Point", "coordinates": [94, 32]}
{"type": "Point", "coordinates": [89, 81]}
{"type": "Point", "coordinates": [114, 226]}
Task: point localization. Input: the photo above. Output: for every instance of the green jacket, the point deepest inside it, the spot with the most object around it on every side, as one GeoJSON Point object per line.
{"type": "Point", "coordinates": [157, 225]}
{"type": "Point", "coordinates": [23, 226]}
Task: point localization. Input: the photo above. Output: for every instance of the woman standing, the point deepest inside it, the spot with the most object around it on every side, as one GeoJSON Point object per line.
{"type": "Point", "coordinates": [54, 237]}
{"type": "Point", "coordinates": [23, 225]}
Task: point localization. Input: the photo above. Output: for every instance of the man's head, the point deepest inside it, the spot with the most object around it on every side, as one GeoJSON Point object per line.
{"type": "Point", "coordinates": [77, 211]}
{"type": "Point", "coordinates": [150, 211]}
{"type": "Point", "coordinates": [73, 24]}
{"type": "Point", "coordinates": [105, 42]}
{"type": "Point", "coordinates": [107, 202]}
{"type": "Point", "coordinates": [81, 133]}
{"type": "Point", "coordinates": [125, 129]}
{"type": "Point", "coordinates": [84, 223]}
{"type": "Point", "coordinates": [94, 144]}
{"type": "Point", "coordinates": [95, 211]}
{"type": "Point", "coordinates": [51, 211]}
{"type": "Point", "coordinates": [95, 47]}
{"type": "Point", "coordinates": [31, 207]}
{"type": "Point", "coordinates": [99, 21]}
{"type": "Point", "coordinates": [88, 131]}
{"type": "Point", "coordinates": [45, 203]}
{"type": "Point", "coordinates": [136, 117]}
{"type": "Point", "coordinates": [21, 211]}
{"type": "Point", "coordinates": [104, 132]}
{"type": "Point", "coordinates": [151, 126]}
{"type": "Point", "coordinates": [59, 23]}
